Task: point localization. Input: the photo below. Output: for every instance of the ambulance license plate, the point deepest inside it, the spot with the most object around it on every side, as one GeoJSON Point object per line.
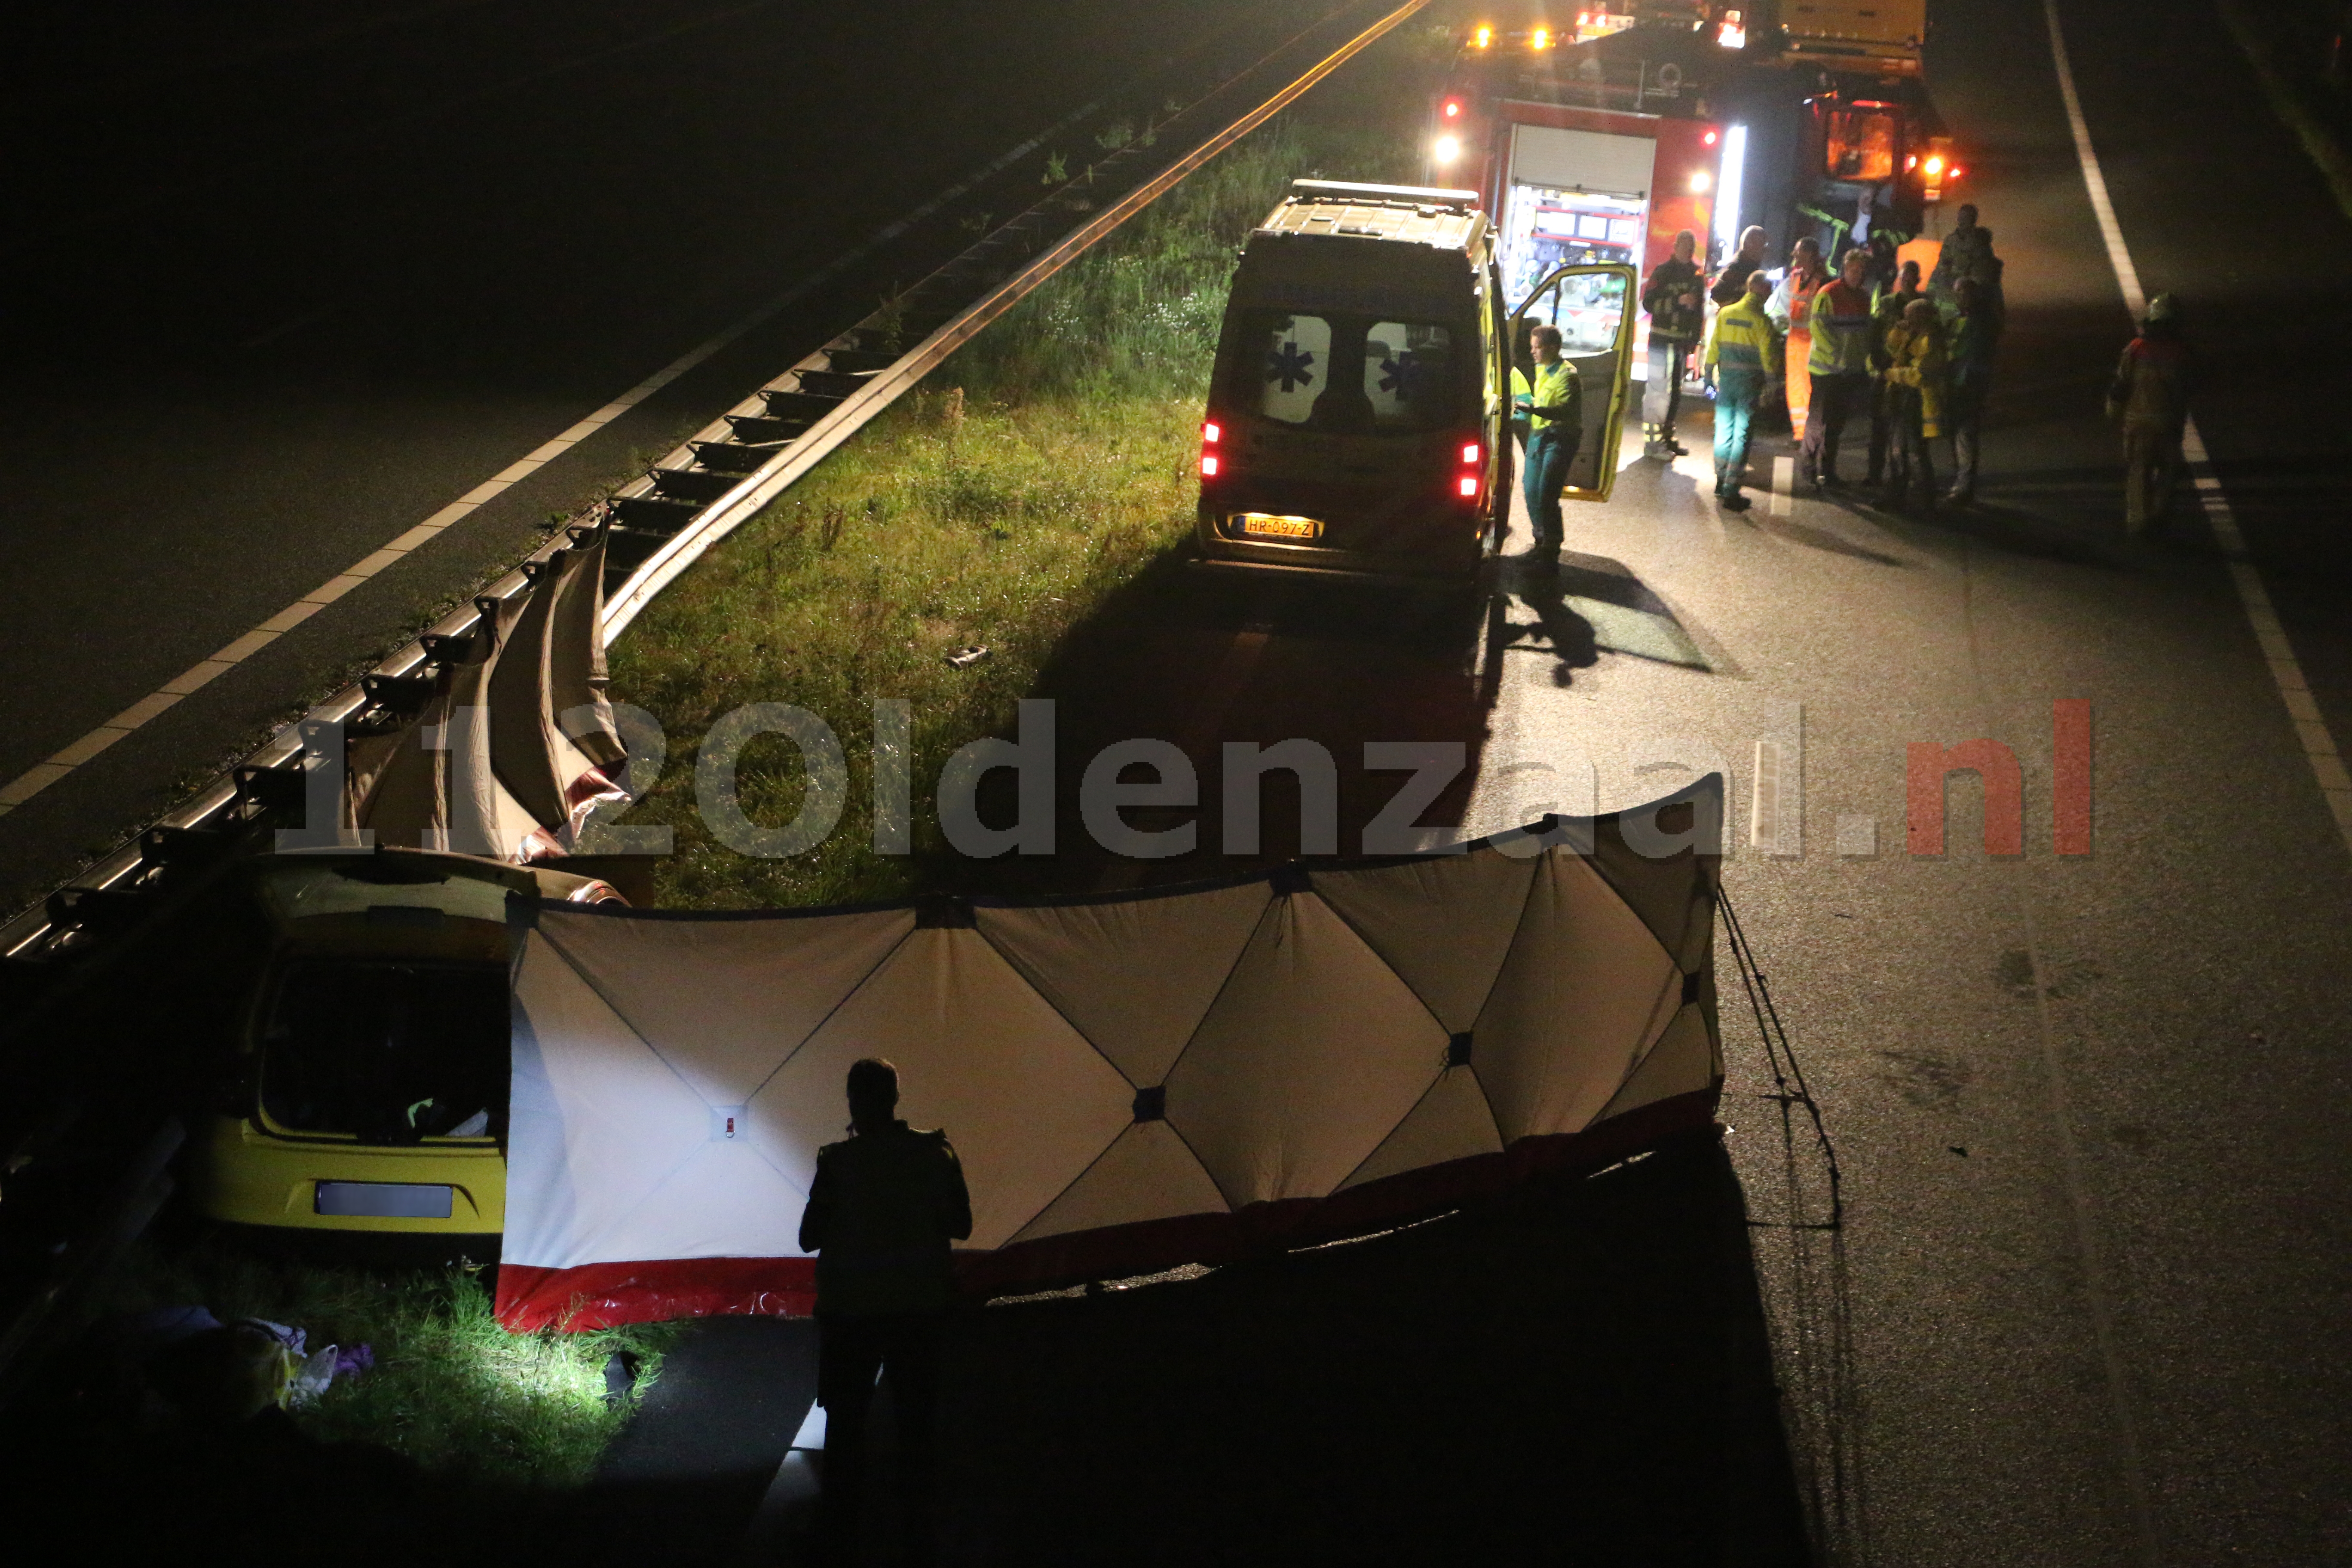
{"type": "Point", "coordinates": [1266, 525]}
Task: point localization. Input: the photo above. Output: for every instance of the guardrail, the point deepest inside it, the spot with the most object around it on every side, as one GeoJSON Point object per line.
{"type": "Point", "coordinates": [722, 477]}
{"type": "Point", "coordinates": [659, 525]}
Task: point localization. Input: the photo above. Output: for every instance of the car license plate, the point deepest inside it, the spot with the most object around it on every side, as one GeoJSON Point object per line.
{"type": "Point", "coordinates": [1266, 525]}
{"type": "Point", "coordinates": [383, 1200]}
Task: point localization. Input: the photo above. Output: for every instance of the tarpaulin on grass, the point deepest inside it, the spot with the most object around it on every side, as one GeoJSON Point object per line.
{"type": "Point", "coordinates": [1133, 1082]}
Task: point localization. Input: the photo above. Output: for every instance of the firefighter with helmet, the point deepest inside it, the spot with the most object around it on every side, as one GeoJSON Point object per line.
{"type": "Point", "coordinates": [2150, 396]}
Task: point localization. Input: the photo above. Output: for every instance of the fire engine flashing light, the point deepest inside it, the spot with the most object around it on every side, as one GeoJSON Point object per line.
{"type": "Point", "coordinates": [1955, 172]}
{"type": "Point", "coordinates": [1935, 167]}
{"type": "Point", "coordinates": [1708, 138]}
{"type": "Point", "coordinates": [1446, 148]}
{"type": "Point", "coordinates": [1483, 36]}
{"type": "Point", "coordinates": [1699, 181]}
{"type": "Point", "coordinates": [1453, 108]}
{"type": "Point", "coordinates": [1540, 39]}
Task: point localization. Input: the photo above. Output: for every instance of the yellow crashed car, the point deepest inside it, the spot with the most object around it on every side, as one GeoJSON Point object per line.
{"type": "Point", "coordinates": [368, 1087]}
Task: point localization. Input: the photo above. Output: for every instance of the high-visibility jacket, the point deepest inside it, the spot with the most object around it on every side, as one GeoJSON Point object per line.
{"type": "Point", "coordinates": [881, 1213]}
{"type": "Point", "coordinates": [1918, 360]}
{"type": "Point", "coordinates": [1555, 386]}
{"type": "Point", "coordinates": [1744, 341]}
{"type": "Point", "coordinates": [1840, 319]}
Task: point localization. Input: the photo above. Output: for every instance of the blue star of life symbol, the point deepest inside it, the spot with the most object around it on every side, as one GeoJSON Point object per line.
{"type": "Point", "coordinates": [1399, 374]}
{"type": "Point", "coordinates": [1288, 366]}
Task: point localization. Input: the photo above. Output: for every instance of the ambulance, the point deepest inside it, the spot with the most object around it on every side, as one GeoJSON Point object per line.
{"type": "Point", "coordinates": [1357, 423]}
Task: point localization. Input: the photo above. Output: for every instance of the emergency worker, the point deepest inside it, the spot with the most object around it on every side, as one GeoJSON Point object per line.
{"type": "Point", "coordinates": [1554, 405]}
{"type": "Point", "coordinates": [1959, 255]}
{"type": "Point", "coordinates": [1732, 282]}
{"type": "Point", "coordinates": [1993, 302]}
{"type": "Point", "coordinates": [1674, 298]}
{"type": "Point", "coordinates": [1917, 360]}
{"type": "Point", "coordinates": [882, 1212]}
{"type": "Point", "coordinates": [1791, 308]}
{"type": "Point", "coordinates": [2150, 396]}
{"type": "Point", "coordinates": [1743, 355]}
{"type": "Point", "coordinates": [1837, 366]}
{"type": "Point", "coordinates": [1972, 331]}
{"type": "Point", "coordinates": [1884, 316]}
{"type": "Point", "coordinates": [1884, 266]}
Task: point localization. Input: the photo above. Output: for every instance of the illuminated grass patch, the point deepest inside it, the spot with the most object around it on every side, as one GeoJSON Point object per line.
{"type": "Point", "coordinates": [1049, 462]}
{"type": "Point", "coordinates": [450, 1389]}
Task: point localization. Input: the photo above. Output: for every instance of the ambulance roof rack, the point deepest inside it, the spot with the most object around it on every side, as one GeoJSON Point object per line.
{"type": "Point", "coordinates": [1356, 194]}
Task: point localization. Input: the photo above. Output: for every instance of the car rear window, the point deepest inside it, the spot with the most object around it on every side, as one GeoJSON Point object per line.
{"type": "Point", "coordinates": [1348, 375]}
{"type": "Point", "coordinates": [389, 1052]}
{"type": "Point", "coordinates": [1409, 374]}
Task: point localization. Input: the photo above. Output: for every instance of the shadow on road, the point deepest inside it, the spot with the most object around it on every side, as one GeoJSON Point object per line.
{"type": "Point", "coordinates": [1580, 1374]}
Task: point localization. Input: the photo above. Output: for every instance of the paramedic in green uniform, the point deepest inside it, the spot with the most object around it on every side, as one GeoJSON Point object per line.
{"type": "Point", "coordinates": [1554, 407]}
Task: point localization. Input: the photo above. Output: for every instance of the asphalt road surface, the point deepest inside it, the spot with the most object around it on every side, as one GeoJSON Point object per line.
{"type": "Point", "coordinates": [282, 286]}
{"type": "Point", "coordinates": [2089, 1302]}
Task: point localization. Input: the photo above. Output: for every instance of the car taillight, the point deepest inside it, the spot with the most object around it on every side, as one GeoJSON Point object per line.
{"type": "Point", "coordinates": [1211, 434]}
{"type": "Point", "coordinates": [1469, 485]}
{"type": "Point", "coordinates": [1470, 455]}
{"type": "Point", "coordinates": [1208, 464]}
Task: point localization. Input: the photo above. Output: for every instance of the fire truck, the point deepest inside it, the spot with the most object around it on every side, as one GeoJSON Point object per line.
{"type": "Point", "coordinates": [1593, 134]}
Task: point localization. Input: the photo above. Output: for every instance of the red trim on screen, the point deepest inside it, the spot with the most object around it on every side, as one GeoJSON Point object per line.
{"type": "Point", "coordinates": [601, 1295]}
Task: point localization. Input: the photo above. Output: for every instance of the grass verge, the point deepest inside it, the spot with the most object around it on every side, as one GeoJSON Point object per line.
{"type": "Point", "coordinates": [1050, 461]}
{"type": "Point", "coordinates": [450, 1389]}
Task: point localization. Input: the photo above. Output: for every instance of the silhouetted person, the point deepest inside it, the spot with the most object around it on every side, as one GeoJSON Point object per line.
{"type": "Point", "coordinates": [1971, 333]}
{"type": "Point", "coordinates": [1962, 252]}
{"type": "Point", "coordinates": [2150, 396]}
{"type": "Point", "coordinates": [883, 1212]}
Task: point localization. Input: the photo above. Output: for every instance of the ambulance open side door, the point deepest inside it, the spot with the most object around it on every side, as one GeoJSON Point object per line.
{"type": "Point", "coordinates": [1593, 305]}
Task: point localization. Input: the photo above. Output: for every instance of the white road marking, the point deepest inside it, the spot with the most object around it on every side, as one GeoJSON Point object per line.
{"type": "Point", "coordinates": [2099, 1292]}
{"type": "Point", "coordinates": [1764, 799]}
{"type": "Point", "coordinates": [1857, 837]}
{"type": "Point", "coordinates": [42, 774]}
{"type": "Point", "coordinates": [2319, 748]}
